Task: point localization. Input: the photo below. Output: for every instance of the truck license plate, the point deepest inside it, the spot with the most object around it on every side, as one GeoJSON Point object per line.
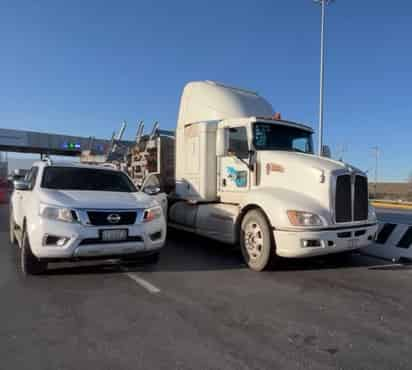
{"type": "Point", "coordinates": [114, 235]}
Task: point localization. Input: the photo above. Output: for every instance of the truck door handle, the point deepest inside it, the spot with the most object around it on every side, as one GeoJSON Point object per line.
{"type": "Point", "coordinates": [224, 182]}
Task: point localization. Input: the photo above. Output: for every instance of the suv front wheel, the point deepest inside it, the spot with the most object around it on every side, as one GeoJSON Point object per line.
{"type": "Point", "coordinates": [30, 265]}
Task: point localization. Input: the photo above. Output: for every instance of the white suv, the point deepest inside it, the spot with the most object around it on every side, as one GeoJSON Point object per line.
{"type": "Point", "coordinates": [68, 212]}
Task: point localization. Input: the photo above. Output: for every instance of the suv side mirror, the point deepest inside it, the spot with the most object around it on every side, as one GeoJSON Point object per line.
{"type": "Point", "coordinates": [21, 185]}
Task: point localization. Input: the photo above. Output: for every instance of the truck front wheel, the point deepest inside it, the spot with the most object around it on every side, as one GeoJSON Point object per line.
{"type": "Point", "coordinates": [256, 241]}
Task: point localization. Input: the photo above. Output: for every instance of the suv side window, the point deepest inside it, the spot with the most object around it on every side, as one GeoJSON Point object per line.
{"type": "Point", "coordinates": [238, 144]}
{"type": "Point", "coordinates": [32, 176]}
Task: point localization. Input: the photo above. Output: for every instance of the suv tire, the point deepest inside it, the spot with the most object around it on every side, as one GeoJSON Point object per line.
{"type": "Point", "coordinates": [30, 265]}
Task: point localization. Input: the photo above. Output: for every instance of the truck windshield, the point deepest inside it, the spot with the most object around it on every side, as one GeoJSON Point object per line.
{"type": "Point", "coordinates": [272, 136]}
{"type": "Point", "coordinates": [75, 178]}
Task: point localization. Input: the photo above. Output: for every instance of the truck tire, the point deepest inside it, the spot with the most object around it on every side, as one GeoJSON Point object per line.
{"type": "Point", "coordinates": [256, 241]}
{"type": "Point", "coordinates": [12, 229]}
{"type": "Point", "coordinates": [30, 265]}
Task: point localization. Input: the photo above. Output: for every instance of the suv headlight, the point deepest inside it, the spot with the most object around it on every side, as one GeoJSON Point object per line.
{"type": "Point", "coordinates": [301, 218]}
{"type": "Point", "coordinates": [58, 213]}
{"type": "Point", "coordinates": [152, 213]}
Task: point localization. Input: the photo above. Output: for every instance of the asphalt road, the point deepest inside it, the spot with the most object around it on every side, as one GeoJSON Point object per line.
{"type": "Point", "coordinates": [201, 308]}
{"type": "Point", "coordinates": [394, 215]}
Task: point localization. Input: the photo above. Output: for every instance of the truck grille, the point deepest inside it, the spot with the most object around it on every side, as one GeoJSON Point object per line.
{"type": "Point", "coordinates": [361, 205]}
{"type": "Point", "coordinates": [343, 200]}
{"type": "Point", "coordinates": [101, 218]}
{"type": "Point", "coordinates": [351, 198]}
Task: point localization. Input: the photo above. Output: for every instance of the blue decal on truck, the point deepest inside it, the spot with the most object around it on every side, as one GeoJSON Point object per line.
{"type": "Point", "coordinates": [238, 177]}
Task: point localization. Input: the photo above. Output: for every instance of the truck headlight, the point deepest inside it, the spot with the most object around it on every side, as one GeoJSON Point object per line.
{"type": "Point", "coordinates": [152, 213]}
{"type": "Point", "coordinates": [372, 214]}
{"type": "Point", "coordinates": [301, 218]}
{"type": "Point", "coordinates": [58, 213]}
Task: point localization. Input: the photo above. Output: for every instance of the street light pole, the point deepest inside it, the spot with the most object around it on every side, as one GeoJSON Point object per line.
{"type": "Point", "coordinates": [376, 149]}
{"type": "Point", "coordinates": [323, 4]}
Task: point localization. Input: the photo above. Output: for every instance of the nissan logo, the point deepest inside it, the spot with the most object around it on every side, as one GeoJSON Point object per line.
{"type": "Point", "coordinates": [113, 218]}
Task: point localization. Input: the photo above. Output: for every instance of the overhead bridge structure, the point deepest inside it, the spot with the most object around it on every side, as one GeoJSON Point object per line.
{"type": "Point", "coordinates": [54, 144]}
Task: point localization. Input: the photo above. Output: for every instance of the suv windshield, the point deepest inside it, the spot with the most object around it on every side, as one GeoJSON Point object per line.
{"type": "Point", "coordinates": [75, 178]}
{"type": "Point", "coordinates": [272, 136]}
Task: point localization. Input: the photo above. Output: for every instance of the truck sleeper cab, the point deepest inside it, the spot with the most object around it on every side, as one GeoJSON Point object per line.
{"type": "Point", "coordinates": [243, 176]}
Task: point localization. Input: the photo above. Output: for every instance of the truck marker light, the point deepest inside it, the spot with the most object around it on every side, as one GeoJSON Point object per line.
{"type": "Point", "coordinates": [274, 167]}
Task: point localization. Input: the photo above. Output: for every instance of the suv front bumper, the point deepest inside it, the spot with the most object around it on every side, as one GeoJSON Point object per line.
{"type": "Point", "coordinates": [84, 241]}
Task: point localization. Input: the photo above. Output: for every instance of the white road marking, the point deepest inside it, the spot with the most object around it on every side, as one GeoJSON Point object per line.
{"type": "Point", "coordinates": [142, 282]}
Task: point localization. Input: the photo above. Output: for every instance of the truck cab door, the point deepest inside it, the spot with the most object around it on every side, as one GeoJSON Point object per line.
{"type": "Point", "coordinates": [152, 186]}
{"type": "Point", "coordinates": [233, 165]}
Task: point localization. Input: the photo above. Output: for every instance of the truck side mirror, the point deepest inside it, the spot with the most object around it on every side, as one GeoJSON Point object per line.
{"type": "Point", "coordinates": [326, 152]}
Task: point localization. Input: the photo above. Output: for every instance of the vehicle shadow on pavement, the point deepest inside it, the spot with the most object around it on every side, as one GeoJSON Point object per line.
{"type": "Point", "coordinates": [330, 262]}
{"type": "Point", "coordinates": [85, 268]}
{"type": "Point", "coordinates": [189, 252]}
{"type": "Point", "coordinates": [182, 252]}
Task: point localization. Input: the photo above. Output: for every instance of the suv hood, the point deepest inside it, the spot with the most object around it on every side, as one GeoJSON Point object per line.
{"type": "Point", "coordinates": [95, 199]}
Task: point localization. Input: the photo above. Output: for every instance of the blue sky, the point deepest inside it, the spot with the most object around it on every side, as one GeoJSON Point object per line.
{"type": "Point", "coordinates": [81, 67]}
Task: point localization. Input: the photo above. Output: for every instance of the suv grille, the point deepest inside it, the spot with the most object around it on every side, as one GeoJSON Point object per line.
{"type": "Point", "coordinates": [101, 218]}
{"type": "Point", "coordinates": [348, 190]}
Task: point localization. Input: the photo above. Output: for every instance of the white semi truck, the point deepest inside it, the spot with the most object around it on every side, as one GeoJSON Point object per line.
{"type": "Point", "coordinates": [245, 176]}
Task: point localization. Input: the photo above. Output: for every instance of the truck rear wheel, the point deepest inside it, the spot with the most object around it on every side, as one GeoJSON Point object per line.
{"type": "Point", "coordinates": [30, 265]}
{"type": "Point", "coordinates": [256, 241]}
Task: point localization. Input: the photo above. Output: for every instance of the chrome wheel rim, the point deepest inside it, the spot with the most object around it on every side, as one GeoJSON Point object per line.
{"type": "Point", "coordinates": [253, 240]}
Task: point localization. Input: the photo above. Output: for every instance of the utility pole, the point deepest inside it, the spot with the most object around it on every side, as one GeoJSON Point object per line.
{"type": "Point", "coordinates": [376, 150]}
{"type": "Point", "coordinates": [323, 4]}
